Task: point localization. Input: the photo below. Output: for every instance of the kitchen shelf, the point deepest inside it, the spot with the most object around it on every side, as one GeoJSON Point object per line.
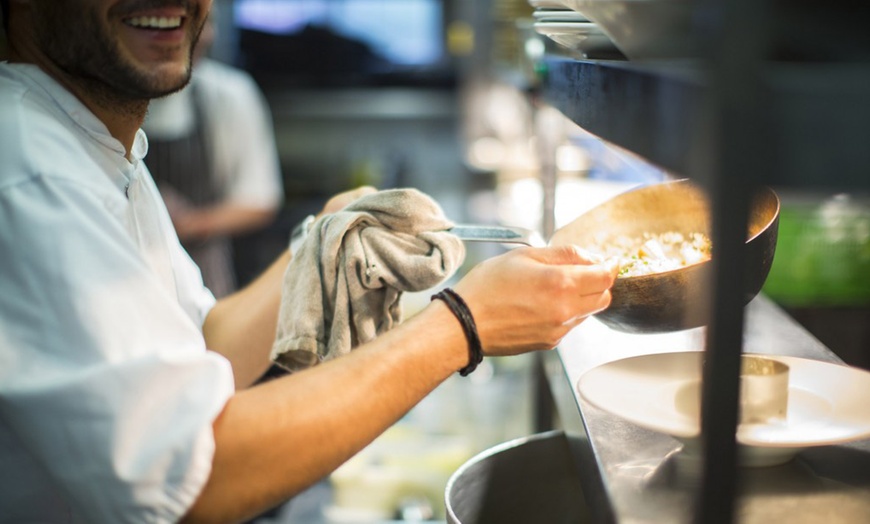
{"type": "Point", "coordinates": [729, 124]}
{"type": "Point", "coordinates": [821, 114]}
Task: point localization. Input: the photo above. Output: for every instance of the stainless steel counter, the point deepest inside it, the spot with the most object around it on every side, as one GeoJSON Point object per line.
{"type": "Point", "coordinates": [633, 475]}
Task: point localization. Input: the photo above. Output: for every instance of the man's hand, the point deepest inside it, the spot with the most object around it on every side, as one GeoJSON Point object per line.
{"type": "Point", "coordinates": [339, 201]}
{"type": "Point", "coordinates": [529, 298]}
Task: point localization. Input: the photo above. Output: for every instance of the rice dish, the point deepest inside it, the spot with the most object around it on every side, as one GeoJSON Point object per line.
{"type": "Point", "coordinates": [656, 253]}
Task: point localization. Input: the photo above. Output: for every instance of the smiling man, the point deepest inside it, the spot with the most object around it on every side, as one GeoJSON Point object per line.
{"type": "Point", "coordinates": [114, 56]}
{"type": "Point", "coordinates": [125, 388]}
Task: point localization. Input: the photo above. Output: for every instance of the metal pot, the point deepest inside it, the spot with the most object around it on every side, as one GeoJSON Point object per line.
{"type": "Point", "coordinates": [530, 479]}
{"type": "Point", "coordinates": [672, 300]}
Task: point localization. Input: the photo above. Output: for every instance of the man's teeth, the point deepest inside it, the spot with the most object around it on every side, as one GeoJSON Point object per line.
{"type": "Point", "coordinates": [155, 22]}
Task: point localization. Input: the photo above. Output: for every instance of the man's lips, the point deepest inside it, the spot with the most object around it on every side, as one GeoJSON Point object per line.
{"type": "Point", "coordinates": [156, 18]}
{"type": "Point", "coordinates": [155, 22]}
{"type": "Point", "coordinates": [155, 32]}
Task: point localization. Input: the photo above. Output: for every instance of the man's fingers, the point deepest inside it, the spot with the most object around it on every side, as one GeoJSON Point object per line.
{"type": "Point", "coordinates": [594, 279]}
{"type": "Point", "coordinates": [590, 305]}
{"type": "Point", "coordinates": [569, 254]}
{"type": "Point", "coordinates": [339, 201]}
{"type": "Point", "coordinates": [361, 192]}
{"type": "Point", "coordinates": [589, 273]}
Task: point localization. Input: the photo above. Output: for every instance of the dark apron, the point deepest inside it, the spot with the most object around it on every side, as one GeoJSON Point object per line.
{"type": "Point", "coordinates": [185, 164]}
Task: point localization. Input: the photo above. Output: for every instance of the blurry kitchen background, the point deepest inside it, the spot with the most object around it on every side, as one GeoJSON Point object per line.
{"type": "Point", "coordinates": [441, 95]}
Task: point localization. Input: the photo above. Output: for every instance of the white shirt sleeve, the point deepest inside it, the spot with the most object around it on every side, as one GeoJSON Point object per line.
{"type": "Point", "coordinates": [104, 377]}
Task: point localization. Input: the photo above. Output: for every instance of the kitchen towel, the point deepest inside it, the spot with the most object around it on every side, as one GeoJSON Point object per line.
{"type": "Point", "coordinates": [343, 287]}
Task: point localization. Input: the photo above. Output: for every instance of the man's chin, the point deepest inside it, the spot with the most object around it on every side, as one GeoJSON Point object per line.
{"type": "Point", "coordinates": [161, 84]}
{"type": "Point", "coordinates": [171, 90]}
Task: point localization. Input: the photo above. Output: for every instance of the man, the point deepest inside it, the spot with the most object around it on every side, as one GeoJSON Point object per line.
{"type": "Point", "coordinates": [123, 386]}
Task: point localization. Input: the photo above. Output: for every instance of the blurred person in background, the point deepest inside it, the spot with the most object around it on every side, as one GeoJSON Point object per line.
{"type": "Point", "coordinates": [211, 150]}
{"type": "Point", "coordinates": [126, 389]}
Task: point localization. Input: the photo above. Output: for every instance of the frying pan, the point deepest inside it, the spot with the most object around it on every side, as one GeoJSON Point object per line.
{"type": "Point", "coordinates": [671, 300]}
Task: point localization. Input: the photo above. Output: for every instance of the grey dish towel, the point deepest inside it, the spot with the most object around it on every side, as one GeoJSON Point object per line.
{"type": "Point", "coordinates": [343, 287]}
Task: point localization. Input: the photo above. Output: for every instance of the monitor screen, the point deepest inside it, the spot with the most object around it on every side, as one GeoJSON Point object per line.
{"type": "Point", "coordinates": [407, 32]}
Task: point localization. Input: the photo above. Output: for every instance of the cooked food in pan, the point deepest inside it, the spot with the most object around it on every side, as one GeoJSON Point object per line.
{"type": "Point", "coordinates": [655, 253]}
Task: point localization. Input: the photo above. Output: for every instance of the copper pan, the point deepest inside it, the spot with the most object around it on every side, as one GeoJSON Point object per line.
{"type": "Point", "coordinates": [671, 300]}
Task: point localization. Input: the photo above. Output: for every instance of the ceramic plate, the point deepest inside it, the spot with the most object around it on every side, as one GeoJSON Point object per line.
{"type": "Point", "coordinates": [583, 37]}
{"type": "Point", "coordinates": [827, 403]}
{"type": "Point", "coordinates": [547, 4]}
{"type": "Point", "coordinates": [644, 29]}
{"type": "Point", "coordinates": [558, 15]}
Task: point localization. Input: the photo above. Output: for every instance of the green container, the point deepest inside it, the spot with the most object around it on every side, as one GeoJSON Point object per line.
{"type": "Point", "coordinates": [822, 253]}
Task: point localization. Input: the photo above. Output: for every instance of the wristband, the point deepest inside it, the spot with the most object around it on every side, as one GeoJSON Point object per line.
{"type": "Point", "coordinates": [300, 233]}
{"type": "Point", "coordinates": [460, 310]}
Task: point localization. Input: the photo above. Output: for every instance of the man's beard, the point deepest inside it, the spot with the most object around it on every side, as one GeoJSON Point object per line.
{"type": "Point", "coordinates": [82, 47]}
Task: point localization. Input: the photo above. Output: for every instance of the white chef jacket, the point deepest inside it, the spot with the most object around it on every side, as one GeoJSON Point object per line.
{"type": "Point", "coordinates": [245, 161]}
{"type": "Point", "coordinates": [107, 391]}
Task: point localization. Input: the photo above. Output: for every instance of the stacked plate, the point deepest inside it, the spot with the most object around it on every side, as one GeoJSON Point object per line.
{"type": "Point", "coordinates": [644, 29]}
{"type": "Point", "coordinates": [571, 30]}
{"type": "Point", "coordinates": [547, 4]}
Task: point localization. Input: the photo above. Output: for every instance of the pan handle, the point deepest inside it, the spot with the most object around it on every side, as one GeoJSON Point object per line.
{"type": "Point", "coordinates": [503, 234]}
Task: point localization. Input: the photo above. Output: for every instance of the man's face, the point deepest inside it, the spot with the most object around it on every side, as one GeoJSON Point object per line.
{"type": "Point", "coordinates": [137, 49]}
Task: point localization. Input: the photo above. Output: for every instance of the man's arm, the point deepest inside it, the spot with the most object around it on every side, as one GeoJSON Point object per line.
{"type": "Point", "coordinates": [242, 325]}
{"type": "Point", "coordinates": [225, 219]}
{"type": "Point", "coordinates": [275, 439]}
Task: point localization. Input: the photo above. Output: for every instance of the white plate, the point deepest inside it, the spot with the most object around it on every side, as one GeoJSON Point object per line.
{"type": "Point", "coordinates": [583, 37]}
{"type": "Point", "coordinates": [827, 402]}
{"type": "Point", "coordinates": [644, 29]}
{"type": "Point", "coordinates": [558, 15]}
{"type": "Point", "coordinates": [547, 4]}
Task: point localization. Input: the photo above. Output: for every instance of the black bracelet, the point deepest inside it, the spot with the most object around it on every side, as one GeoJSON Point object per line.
{"type": "Point", "coordinates": [460, 309]}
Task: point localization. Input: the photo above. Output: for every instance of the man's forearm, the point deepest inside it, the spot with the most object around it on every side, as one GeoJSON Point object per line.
{"type": "Point", "coordinates": [221, 220]}
{"type": "Point", "coordinates": [242, 326]}
{"type": "Point", "coordinates": [277, 438]}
